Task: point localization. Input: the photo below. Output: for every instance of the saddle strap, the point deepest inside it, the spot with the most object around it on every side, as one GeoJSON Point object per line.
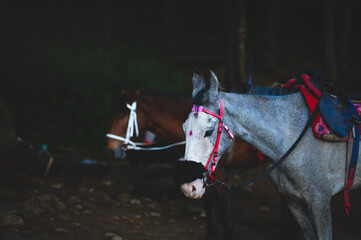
{"type": "Point", "coordinates": [351, 164]}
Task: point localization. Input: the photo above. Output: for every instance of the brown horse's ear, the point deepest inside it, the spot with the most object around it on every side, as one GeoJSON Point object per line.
{"type": "Point", "coordinates": [213, 86]}
{"type": "Point", "coordinates": [198, 82]}
{"type": "Point", "coordinates": [123, 92]}
{"type": "Point", "coordinates": [137, 92]}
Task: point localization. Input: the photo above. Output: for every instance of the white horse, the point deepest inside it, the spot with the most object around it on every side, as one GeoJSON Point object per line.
{"type": "Point", "coordinates": [311, 174]}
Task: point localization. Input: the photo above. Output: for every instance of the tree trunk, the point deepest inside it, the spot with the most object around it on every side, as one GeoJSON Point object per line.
{"type": "Point", "coordinates": [345, 28]}
{"type": "Point", "coordinates": [232, 58]}
{"type": "Point", "coordinates": [271, 35]}
{"type": "Point", "coordinates": [171, 28]}
{"type": "Point", "coordinates": [242, 43]}
{"type": "Point", "coordinates": [107, 26]}
{"type": "Point", "coordinates": [329, 39]}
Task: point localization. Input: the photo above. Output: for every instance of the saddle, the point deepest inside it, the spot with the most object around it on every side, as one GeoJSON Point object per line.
{"type": "Point", "coordinates": [338, 113]}
{"type": "Point", "coordinates": [338, 120]}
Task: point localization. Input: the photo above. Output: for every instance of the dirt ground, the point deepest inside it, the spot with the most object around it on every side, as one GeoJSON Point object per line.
{"type": "Point", "coordinates": [122, 201]}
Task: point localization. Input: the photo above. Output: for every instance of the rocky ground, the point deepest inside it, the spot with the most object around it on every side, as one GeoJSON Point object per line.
{"type": "Point", "coordinates": [121, 201]}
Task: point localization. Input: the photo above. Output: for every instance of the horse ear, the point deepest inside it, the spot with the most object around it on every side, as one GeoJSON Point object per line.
{"type": "Point", "coordinates": [198, 82]}
{"type": "Point", "coordinates": [213, 86]}
{"type": "Point", "coordinates": [137, 92]}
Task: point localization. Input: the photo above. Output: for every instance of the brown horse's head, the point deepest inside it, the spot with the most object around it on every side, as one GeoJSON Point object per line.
{"type": "Point", "coordinates": [119, 119]}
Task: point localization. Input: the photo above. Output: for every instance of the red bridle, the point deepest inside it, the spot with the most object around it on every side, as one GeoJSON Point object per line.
{"type": "Point", "coordinates": [211, 165]}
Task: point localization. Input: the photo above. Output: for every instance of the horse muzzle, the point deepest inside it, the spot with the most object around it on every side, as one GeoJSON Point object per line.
{"type": "Point", "coordinates": [118, 153]}
{"type": "Point", "coordinates": [194, 189]}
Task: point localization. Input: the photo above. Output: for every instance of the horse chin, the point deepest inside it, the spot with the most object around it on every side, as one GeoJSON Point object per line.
{"type": "Point", "coordinates": [193, 190]}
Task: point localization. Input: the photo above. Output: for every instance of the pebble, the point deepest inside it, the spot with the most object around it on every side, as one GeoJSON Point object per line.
{"type": "Point", "coordinates": [109, 235]}
{"type": "Point", "coordinates": [134, 201]}
{"type": "Point", "coordinates": [64, 217]}
{"type": "Point", "coordinates": [12, 220]}
{"type": "Point", "coordinates": [72, 200]}
{"type": "Point", "coordinates": [87, 212]}
{"type": "Point", "coordinates": [44, 203]}
{"type": "Point", "coordinates": [107, 183]}
{"type": "Point", "coordinates": [264, 209]}
{"type": "Point", "coordinates": [57, 185]}
{"type": "Point", "coordinates": [113, 236]}
{"type": "Point", "coordinates": [117, 238]}
{"type": "Point", "coordinates": [154, 214]}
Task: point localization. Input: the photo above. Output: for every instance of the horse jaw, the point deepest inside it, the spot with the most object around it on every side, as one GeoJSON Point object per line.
{"type": "Point", "coordinates": [194, 190]}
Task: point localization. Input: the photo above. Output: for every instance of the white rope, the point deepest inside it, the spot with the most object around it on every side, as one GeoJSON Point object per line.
{"type": "Point", "coordinates": [109, 135]}
{"type": "Point", "coordinates": [155, 148]}
{"type": "Point", "coordinates": [135, 145]}
{"type": "Point", "coordinates": [133, 126]}
{"type": "Point", "coordinates": [132, 123]}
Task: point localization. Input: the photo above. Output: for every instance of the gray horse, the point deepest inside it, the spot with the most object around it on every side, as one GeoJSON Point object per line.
{"type": "Point", "coordinates": [309, 177]}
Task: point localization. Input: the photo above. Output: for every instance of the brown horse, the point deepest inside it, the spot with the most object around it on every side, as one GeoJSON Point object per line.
{"type": "Point", "coordinates": [164, 114]}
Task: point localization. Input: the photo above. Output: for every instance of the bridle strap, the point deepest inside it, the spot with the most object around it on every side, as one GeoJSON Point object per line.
{"type": "Point", "coordinates": [211, 164]}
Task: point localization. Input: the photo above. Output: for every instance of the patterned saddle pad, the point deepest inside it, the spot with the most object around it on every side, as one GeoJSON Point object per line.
{"type": "Point", "coordinates": [312, 96]}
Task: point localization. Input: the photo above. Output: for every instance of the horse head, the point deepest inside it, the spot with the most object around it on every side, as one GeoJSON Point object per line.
{"type": "Point", "coordinates": [205, 143]}
{"type": "Point", "coordinates": [119, 122]}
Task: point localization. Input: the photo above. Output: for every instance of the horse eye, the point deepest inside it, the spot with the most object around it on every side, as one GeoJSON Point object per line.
{"type": "Point", "coordinates": [208, 133]}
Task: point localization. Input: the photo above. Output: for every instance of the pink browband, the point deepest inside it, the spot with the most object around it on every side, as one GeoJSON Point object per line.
{"type": "Point", "coordinates": [211, 165]}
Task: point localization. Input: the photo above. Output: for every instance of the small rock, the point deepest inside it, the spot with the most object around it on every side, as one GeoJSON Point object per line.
{"type": "Point", "coordinates": [45, 202]}
{"type": "Point", "coordinates": [116, 218]}
{"type": "Point", "coordinates": [154, 214]}
{"type": "Point", "coordinates": [117, 238]}
{"type": "Point", "coordinates": [12, 220]}
{"type": "Point", "coordinates": [107, 183]}
{"type": "Point", "coordinates": [109, 235]}
{"type": "Point", "coordinates": [264, 209]}
{"type": "Point", "coordinates": [151, 205]}
{"type": "Point", "coordinates": [123, 197]}
{"type": "Point", "coordinates": [72, 200]}
{"type": "Point", "coordinates": [87, 212]}
{"type": "Point", "coordinates": [57, 185]}
{"type": "Point", "coordinates": [78, 206]}
{"type": "Point", "coordinates": [134, 201]}
{"type": "Point", "coordinates": [64, 217]}
{"type": "Point", "coordinates": [60, 229]}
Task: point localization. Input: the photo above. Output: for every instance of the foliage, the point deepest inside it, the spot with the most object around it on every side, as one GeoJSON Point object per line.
{"type": "Point", "coordinates": [63, 96]}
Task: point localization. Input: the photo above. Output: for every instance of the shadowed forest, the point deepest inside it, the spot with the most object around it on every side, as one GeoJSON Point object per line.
{"type": "Point", "coordinates": [63, 64]}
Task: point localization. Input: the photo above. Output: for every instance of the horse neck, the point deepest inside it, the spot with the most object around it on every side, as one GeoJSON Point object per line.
{"type": "Point", "coordinates": [163, 115]}
{"type": "Point", "coordinates": [269, 123]}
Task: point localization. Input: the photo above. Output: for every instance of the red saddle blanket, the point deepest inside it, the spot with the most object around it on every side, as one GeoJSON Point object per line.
{"type": "Point", "coordinates": [312, 96]}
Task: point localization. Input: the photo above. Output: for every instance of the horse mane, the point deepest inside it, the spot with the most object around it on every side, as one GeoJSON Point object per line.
{"type": "Point", "coordinates": [269, 91]}
{"type": "Point", "coordinates": [242, 88]}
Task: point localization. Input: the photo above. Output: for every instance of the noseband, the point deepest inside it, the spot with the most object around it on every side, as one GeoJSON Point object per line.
{"type": "Point", "coordinates": [211, 164]}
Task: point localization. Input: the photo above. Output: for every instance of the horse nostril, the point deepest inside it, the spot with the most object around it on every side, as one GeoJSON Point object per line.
{"type": "Point", "coordinates": [193, 189]}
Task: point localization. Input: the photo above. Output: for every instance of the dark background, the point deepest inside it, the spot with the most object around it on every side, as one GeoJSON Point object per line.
{"type": "Point", "coordinates": [64, 62]}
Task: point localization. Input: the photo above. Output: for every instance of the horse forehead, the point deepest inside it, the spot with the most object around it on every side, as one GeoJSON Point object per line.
{"type": "Point", "coordinates": [197, 120]}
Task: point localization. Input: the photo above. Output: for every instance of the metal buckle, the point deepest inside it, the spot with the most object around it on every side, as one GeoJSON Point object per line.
{"type": "Point", "coordinates": [208, 179]}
